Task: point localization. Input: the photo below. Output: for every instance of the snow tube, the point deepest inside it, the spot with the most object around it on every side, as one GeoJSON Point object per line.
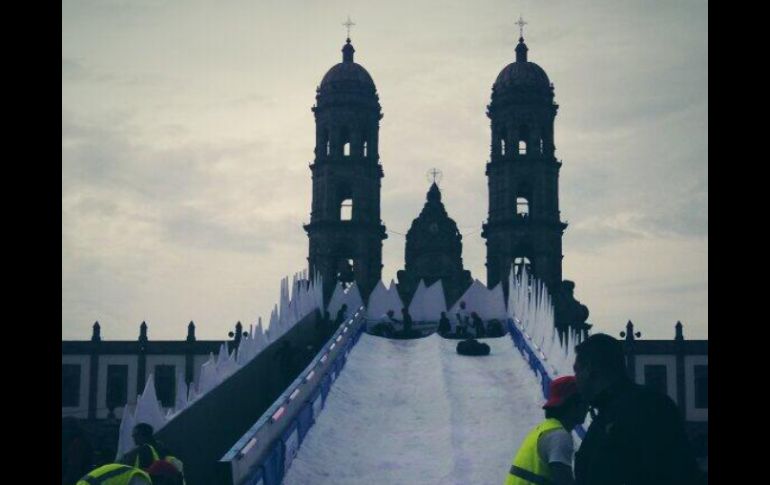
{"type": "Point", "coordinates": [472, 347]}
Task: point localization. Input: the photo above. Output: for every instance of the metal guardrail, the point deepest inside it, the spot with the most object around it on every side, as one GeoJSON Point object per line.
{"type": "Point", "coordinates": [247, 455]}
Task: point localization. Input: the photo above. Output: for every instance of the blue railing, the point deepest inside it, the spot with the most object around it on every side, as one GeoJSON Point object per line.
{"type": "Point", "coordinates": [264, 453]}
{"type": "Point", "coordinates": [535, 363]}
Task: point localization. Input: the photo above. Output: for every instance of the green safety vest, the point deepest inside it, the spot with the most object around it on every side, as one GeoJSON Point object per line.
{"type": "Point", "coordinates": [113, 474]}
{"type": "Point", "coordinates": [155, 456]}
{"type": "Point", "coordinates": [528, 467]}
{"type": "Point", "coordinates": [169, 458]}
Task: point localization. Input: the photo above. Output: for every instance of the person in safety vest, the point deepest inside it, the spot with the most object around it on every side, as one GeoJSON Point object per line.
{"type": "Point", "coordinates": [116, 474]}
{"type": "Point", "coordinates": [545, 456]}
{"type": "Point", "coordinates": [148, 450]}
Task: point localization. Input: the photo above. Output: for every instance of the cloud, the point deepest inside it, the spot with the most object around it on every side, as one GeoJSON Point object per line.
{"type": "Point", "coordinates": [186, 132]}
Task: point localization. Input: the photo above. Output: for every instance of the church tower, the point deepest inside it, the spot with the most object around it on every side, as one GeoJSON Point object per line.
{"type": "Point", "coordinates": [523, 227]}
{"type": "Point", "coordinates": [434, 252]}
{"type": "Point", "coordinates": [345, 230]}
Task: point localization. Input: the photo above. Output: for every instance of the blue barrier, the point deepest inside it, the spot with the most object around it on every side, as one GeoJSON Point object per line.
{"type": "Point", "coordinates": [262, 457]}
{"type": "Point", "coordinates": [537, 366]}
{"type": "Point", "coordinates": [257, 479]}
{"type": "Point", "coordinates": [326, 385]}
{"type": "Point", "coordinates": [290, 440]}
{"type": "Point", "coordinates": [272, 467]}
{"type": "Point", "coordinates": [305, 420]}
{"type": "Point", "coordinates": [317, 403]}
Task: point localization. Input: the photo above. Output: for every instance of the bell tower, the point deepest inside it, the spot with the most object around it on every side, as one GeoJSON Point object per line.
{"type": "Point", "coordinates": [523, 227]}
{"type": "Point", "coordinates": [345, 231]}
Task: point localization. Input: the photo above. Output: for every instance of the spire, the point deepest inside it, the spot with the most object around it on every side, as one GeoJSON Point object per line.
{"type": "Point", "coordinates": [521, 49]}
{"type": "Point", "coordinates": [347, 51]}
{"type": "Point", "coordinates": [143, 332]}
{"type": "Point", "coordinates": [191, 332]}
{"type": "Point", "coordinates": [679, 334]}
{"type": "Point", "coordinates": [434, 194]}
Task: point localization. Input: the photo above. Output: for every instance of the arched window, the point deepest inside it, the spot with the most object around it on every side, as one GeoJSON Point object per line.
{"type": "Point", "coordinates": [502, 147]}
{"type": "Point", "coordinates": [346, 210]}
{"type": "Point", "coordinates": [328, 148]}
{"type": "Point", "coordinates": [523, 139]}
{"type": "Point", "coordinates": [541, 146]}
{"type": "Point", "coordinates": [522, 207]}
{"type": "Point", "coordinates": [344, 141]}
{"type": "Point", "coordinates": [366, 149]}
{"type": "Point", "coordinates": [521, 262]}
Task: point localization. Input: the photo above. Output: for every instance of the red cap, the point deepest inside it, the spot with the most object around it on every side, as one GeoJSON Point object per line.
{"type": "Point", "coordinates": [561, 389]}
{"type": "Point", "coordinates": [162, 468]}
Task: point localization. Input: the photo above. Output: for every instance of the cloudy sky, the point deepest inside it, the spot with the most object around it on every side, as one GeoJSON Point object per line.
{"type": "Point", "coordinates": [187, 132]}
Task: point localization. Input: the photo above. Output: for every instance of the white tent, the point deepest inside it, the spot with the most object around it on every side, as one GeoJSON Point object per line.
{"type": "Point", "coordinates": [378, 303]}
{"type": "Point", "coordinates": [495, 308]}
{"type": "Point", "coordinates": [475, 298]}
{"type": "Point", "coordinates": [434, 302]}
{"type": "Point", "coordinates": [417, 305]}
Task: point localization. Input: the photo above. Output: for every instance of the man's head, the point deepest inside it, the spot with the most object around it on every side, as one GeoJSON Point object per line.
{"type": "Point", "coordinates": [565, 402]}
{"type": "Point", "coordinates": [142, 434]}
{"type": "Point", "coordinates": [599, 363]}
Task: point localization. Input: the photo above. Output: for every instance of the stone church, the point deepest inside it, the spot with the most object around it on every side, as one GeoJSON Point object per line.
{"type": "Point", "coordinates": [523, 226]}
{"type": "Point", "coordinates": [434, 252]}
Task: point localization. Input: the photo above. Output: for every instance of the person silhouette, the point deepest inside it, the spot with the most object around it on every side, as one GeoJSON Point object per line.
{"type": "Point", "coordinates": [444, 327]}
{"type": "Point", "coordinates": [408, 322]}
{"type": "Point", "coordinates": [462, 319]}
{"type": "Point", "coordinates": [478, 325]}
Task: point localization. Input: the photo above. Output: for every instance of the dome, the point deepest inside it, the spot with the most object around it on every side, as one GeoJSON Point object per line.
{"type": "Point", "coordinates": [522, 73]}
{"type": "Point", "coordinates": [347, 72]}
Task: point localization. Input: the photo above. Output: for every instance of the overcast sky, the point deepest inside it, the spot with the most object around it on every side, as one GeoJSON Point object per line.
{"type": "Point", "coordinates": [187, 132]}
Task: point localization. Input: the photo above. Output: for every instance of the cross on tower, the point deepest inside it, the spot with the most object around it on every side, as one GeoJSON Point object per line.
{"type": "Point", "coordinates": [436, 174]}
{"type": "Point", "coordinates": [521, 23]}
{"type": "Point", "coordinates": [348, 24]}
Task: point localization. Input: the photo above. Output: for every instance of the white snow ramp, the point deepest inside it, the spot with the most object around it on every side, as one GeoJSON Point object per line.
{"type": "Point", "coordinates": [414, 411]}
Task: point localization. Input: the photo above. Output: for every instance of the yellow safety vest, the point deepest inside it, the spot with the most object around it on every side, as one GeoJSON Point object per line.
{"type": "Point", "coordinates": [113, 474]}
{"type": "Point", "coordinates": [155, 456]}
{"type": "Point", "coordinates": [528, 467]}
